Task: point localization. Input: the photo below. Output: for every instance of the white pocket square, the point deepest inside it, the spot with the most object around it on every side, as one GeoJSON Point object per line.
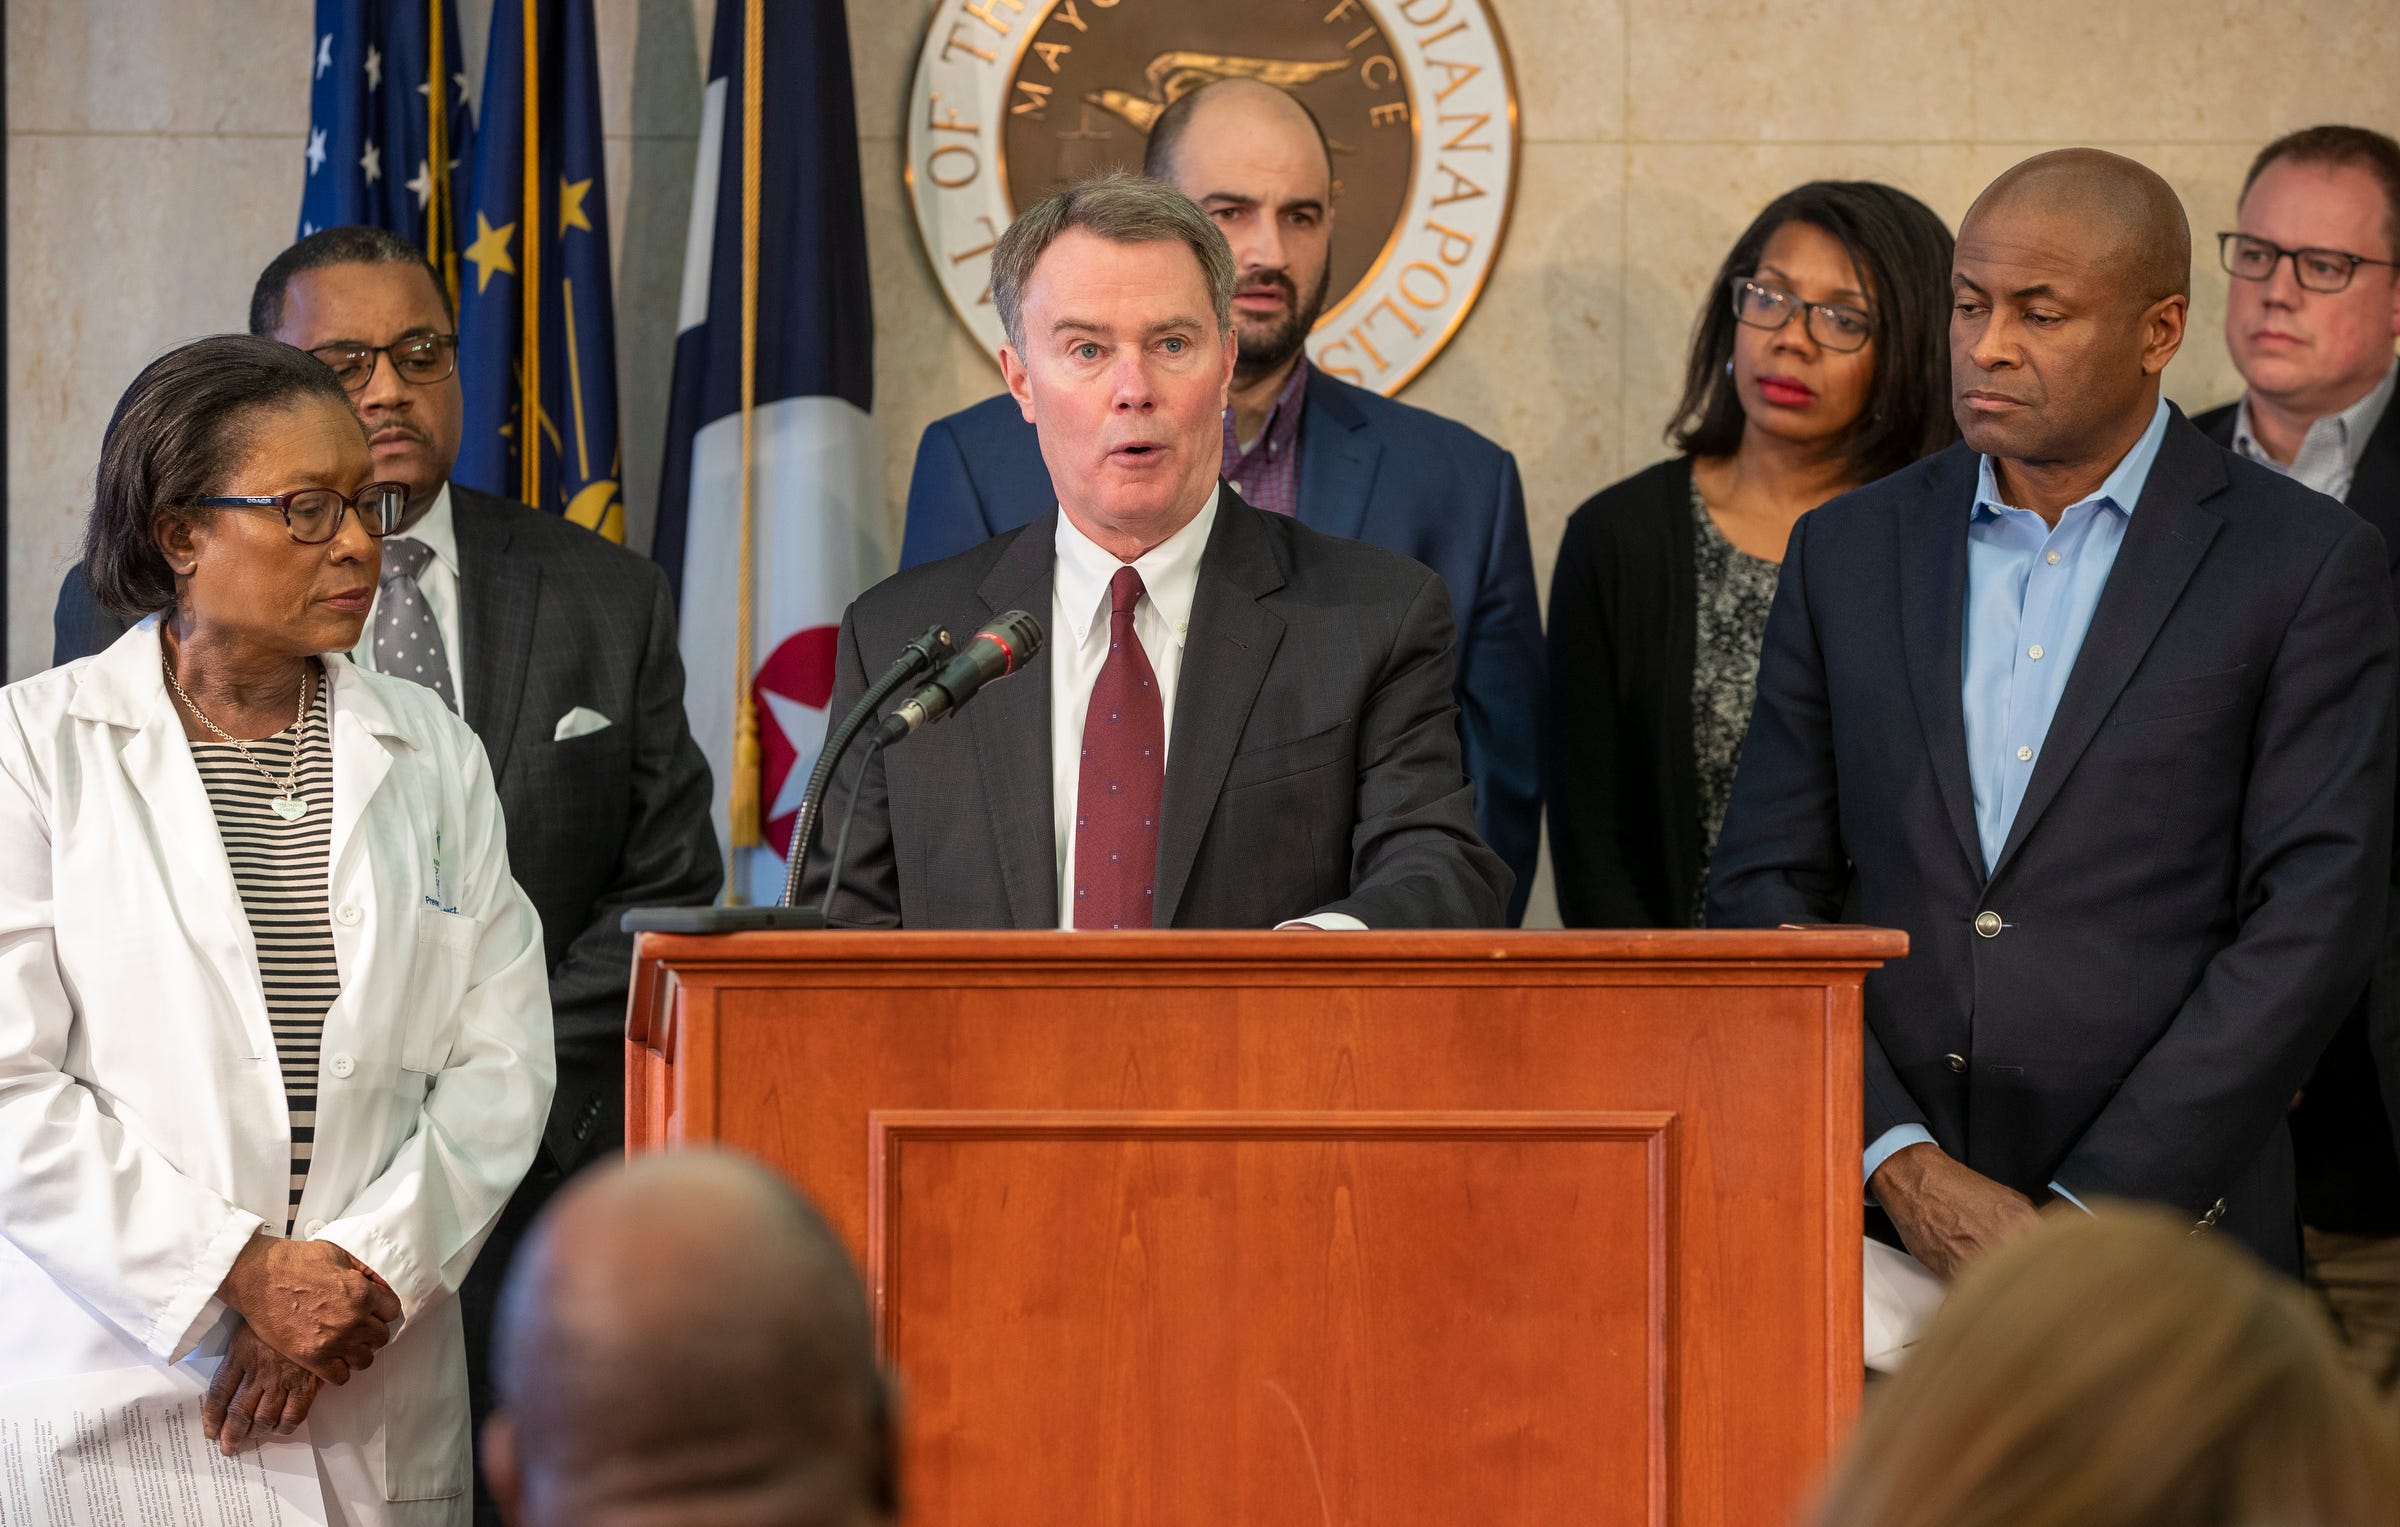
{"type": "Point", "coordinates": [582, 721]}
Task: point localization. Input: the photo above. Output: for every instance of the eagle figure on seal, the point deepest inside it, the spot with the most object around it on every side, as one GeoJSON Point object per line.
{"type": "Point", "coordinates": [1177, 74]}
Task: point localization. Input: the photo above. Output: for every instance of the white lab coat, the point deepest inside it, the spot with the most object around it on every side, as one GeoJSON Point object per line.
{"type": "Point", "coordinates": [144, 1135]}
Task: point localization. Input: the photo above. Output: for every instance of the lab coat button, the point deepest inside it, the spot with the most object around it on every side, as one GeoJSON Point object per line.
{"type": "Point", "coordinates": [313, 1229]}
{"type": "Point", "coordinates": [347, 915]}
{"type": "Point", "coordinates": [340, 1065]}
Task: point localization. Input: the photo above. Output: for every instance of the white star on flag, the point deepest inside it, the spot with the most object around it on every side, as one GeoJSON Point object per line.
{"type": "Point", "coordinates": [804, 729]}
{"type": "Point", "coordinates": [316, 149]}
{"type": "Point", "coordinates": [372, 162]}
{"type": "Point", "coordinates": [374, 68]}
{"type": "Point", "coordinates": [423, 184]}
{"type": "Point", "coordinates": [466, 96]}
{"type": "Point", "coordinates": [324, 55]}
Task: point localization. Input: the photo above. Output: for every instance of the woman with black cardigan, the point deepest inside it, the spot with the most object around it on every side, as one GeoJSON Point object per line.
{"type": "Point", "coordinates": [1819, 363]}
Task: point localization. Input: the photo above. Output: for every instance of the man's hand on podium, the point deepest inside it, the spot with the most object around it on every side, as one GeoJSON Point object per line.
{"type": "Point", "coordinates": [1947, 1213]}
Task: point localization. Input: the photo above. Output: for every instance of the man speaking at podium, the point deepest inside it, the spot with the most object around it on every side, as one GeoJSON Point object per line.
{"type": "Point", "coordinates": [1234, 721]}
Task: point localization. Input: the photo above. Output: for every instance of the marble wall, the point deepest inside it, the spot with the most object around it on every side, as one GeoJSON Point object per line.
{"type": "Point", "coordinates": [154, 165]}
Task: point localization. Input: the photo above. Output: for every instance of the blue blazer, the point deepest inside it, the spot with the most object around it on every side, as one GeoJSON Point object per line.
{"type": "Point", "coordinates": [1372, 470]}
{"type": "Point", "coordinates": [2192, 894]}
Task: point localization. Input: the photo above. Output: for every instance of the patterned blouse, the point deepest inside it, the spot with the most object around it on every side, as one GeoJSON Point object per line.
{"type": "Point", "coordinates": [280, 869]}
{"type": "Point", "coordinates": [1734, 590]}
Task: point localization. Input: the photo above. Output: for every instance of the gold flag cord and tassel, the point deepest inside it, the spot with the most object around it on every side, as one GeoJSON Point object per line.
{"type": "Point", "coordinates": [529, 385]}
{"type": "Point", "coordinates": [441, 221]}
{"type": "Point", "coordinates": [743, 789]}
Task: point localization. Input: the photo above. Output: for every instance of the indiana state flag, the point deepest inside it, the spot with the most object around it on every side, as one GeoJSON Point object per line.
{"type": "Point", "coordinates": [388, 123]}
{"type": "Point", "coordinates": [537, 351]}
{"type": "Point", "coordinates": [771, 516]}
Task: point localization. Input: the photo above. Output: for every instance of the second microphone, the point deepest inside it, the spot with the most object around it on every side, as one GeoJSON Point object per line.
{"type": "Point", "coordinates": [998, 650]}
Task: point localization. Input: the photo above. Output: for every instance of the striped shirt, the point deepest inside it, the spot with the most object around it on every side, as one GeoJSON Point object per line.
{"type": "Point", "coordinates": [280, 869]}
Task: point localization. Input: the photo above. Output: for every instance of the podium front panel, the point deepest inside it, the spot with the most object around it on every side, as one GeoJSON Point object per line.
{"type": "Point", "coordinates": [1175, 1228]}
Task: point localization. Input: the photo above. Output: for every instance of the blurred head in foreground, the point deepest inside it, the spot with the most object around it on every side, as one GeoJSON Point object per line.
{"type": "Point", "coordinates": [683, 1340]}
{"type": "Point", "coordinates": [2120, 1371]}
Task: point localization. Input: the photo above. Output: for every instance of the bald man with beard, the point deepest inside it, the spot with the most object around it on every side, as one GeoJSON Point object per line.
{"type": "Point", "coordinates": [683, 1341]}
{"type": "Point", "coordinates": [2101, 715]}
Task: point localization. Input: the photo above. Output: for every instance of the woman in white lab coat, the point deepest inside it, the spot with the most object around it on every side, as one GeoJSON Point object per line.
{"type": "Point", "coordinates": [274, 1021]}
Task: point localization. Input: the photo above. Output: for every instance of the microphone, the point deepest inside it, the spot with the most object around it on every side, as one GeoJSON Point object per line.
{"type": "Point", "coordinates": [914, 659]}
{"type": "Point", "coordinates": [994, 652]}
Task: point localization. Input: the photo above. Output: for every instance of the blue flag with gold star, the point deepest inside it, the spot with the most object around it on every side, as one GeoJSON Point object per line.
{"type": "Point", "coordinates": [537, 352]}
{"type": "Point", "coordinates": [388, 123]}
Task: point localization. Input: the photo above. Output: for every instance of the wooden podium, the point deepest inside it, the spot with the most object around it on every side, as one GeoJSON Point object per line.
{"type": "Point", "coordinates": [1239, 1228]}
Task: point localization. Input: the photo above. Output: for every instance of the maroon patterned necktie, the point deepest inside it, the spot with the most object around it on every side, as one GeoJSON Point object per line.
{"type": "Point", "coordinates": [1122, 779]}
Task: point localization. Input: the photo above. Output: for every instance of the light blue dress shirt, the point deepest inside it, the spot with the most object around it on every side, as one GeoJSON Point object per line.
{"type": "Point", "coordinates": [2031, 591]}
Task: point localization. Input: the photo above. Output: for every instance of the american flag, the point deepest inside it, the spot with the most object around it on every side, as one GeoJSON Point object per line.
{"type": "Point", "coordinates": [389, 123]}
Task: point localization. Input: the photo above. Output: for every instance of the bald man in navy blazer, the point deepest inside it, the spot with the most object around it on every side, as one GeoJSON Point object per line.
{"type": "Point", "coordinates": [2102, 715]}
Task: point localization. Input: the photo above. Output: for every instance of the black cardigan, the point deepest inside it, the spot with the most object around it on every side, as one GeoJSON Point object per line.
{"type": "Point", "coordinates": [1624, 788]}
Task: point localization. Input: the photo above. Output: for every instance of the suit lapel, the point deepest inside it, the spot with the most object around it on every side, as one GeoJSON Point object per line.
{"type": "Point", "coordinates": [498, 593]}
{"type": "Point", "coordinates": [1009, 725]}
{"type": "Point", "coordinates": [2164, 542]}
{"type": "Point", "coordinates": [1933, 588]}
{"type": "Point", "coordinates": [2375, 486]}
{"type": "Point", "coordinates": [1337, 460]}
{"type": "Point", "coordinates": [361, 762]}
{"type": "Point", "coordinates": [1226, 654]}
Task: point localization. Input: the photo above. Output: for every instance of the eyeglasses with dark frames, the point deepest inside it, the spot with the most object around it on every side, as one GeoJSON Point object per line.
{"type": "Point", "coordinates": [1831, 324]}
{"type": "Point", "coordinates": [314, 515]}
{"type": "Point", "coordinates": [2317, 270]}
{"type": "Point", "coordinates": [419, 359]}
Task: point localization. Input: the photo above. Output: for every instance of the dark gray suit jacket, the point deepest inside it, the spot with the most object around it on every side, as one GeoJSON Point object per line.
{"type": "Point", "coordinates": [552, 617]}
{"type": "Point", "coordinates": [1313, 764]}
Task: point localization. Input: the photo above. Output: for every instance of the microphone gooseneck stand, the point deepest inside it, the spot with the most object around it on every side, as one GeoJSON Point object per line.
{"type": "Point", "coordinates": [915, 659]}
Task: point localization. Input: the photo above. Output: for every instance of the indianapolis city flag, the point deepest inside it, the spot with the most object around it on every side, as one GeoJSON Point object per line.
{"type": "Point", "coordinates": [537, 350]}
{"type": "Point", "coordinates": [770, 516]}
{"type": "Point", "coordinates": [388, 123]}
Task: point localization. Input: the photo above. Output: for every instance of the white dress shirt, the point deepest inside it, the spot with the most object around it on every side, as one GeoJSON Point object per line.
{"type": "Point", "coordinates": [439, 583]}
{"type": "Point", "coordinates": [1078, 649]}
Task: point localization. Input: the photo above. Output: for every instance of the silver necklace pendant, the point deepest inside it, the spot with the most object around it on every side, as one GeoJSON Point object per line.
{"type": "Point", "coordinates": [284, 805]}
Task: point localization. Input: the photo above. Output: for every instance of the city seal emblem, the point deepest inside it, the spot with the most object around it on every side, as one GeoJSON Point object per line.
{"type": "Point", "coordinates": [1016, 97]}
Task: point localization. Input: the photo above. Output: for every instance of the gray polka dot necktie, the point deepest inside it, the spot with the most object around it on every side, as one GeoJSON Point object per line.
{"type": "Point", "coordinates": [408, 644]}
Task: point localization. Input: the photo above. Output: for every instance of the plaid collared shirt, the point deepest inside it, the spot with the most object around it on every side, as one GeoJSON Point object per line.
{"type": "Point", "coordinates": [1267, 476]}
